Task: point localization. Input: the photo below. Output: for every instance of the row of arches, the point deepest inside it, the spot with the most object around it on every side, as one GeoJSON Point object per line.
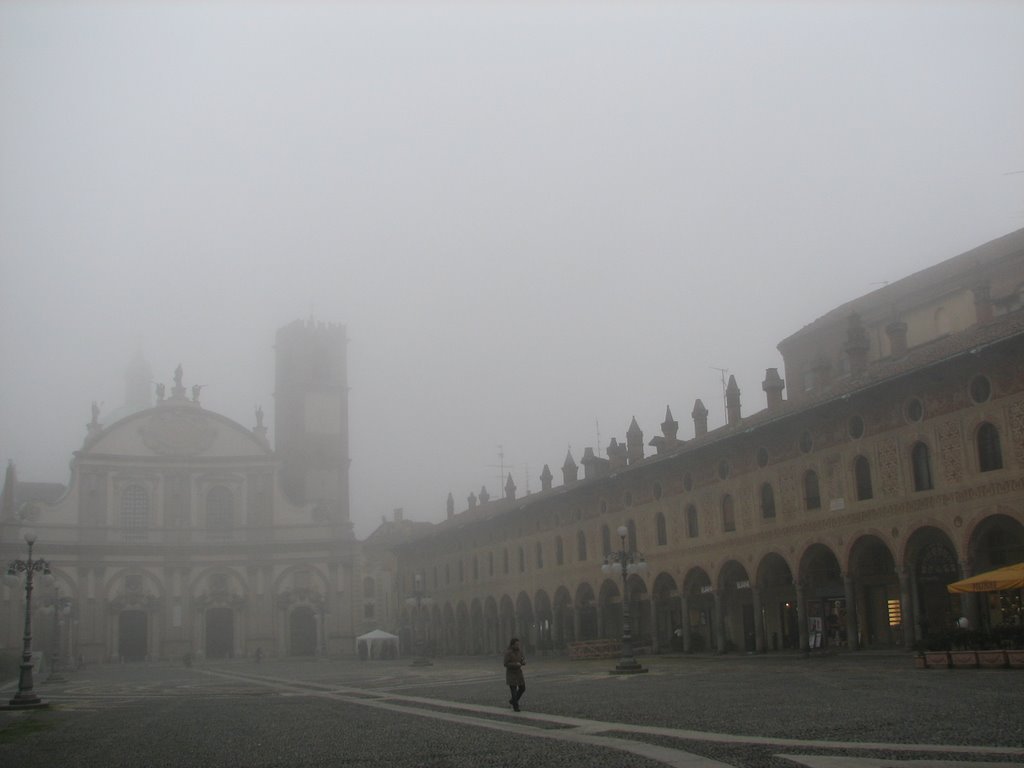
{"type": "Point", "coordinates": [871, 598]}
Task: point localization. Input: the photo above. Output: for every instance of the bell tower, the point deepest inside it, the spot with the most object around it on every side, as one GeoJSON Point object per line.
{"type": "Point", "coordinates": [311, 417]}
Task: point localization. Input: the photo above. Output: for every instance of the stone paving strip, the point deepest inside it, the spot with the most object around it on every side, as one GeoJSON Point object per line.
{"type": "Point", "coordinates": [601, 733]}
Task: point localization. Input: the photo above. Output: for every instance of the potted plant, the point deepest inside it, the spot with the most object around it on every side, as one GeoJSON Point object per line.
{"type": "Point", "coordinates": [936, 653]}
{"type": "Point", "coordinates": [965, 644]}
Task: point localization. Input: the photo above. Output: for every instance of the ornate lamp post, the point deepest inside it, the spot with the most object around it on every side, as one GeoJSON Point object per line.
{"type": "Point", "coordinates": [417, 602]}
{"type": "Point", "coordinates": [626, 562]}
{"type": "Point", "coordinates": [61, 608]}
{"type": "Point", "coordinates": [25, 698]}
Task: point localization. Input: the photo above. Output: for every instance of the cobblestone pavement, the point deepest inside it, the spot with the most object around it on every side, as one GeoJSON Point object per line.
{"type": "Point", "coordinates": [840, 711]}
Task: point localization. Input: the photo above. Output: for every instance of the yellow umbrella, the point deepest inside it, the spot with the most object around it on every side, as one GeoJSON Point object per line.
{"type": "Point", "coordinates": [1007, 577]}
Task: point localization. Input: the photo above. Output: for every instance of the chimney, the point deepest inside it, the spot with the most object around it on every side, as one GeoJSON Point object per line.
{"type": "Point", "coordinates": [617, 455]}
{"type": "Point", "coordinates": [857, 345]}
{"type": "Point", "coordinates": [897, 331]}
{"type": "Point", "coordinates": [570, 471]}
{"type": "Point", "coordinates": [634, 443]}
{"type": "Point", "coordinates": [450, 506]}
{"type": "Point", "coordinates": [669, 429]}
{"type": "Point", "coordinates": [983, 303]}
{"type": "Point", "coordinates": [510, 488]}
{"type": "Point", "coordinates": [700, 419]}
{"type": "Point", "coordinates": [400, 513]}
{"type": "Point", "coordinates": [484, 495]}
{"type": "Point", "coordinates": [732, 401]}
{"type": "Point", "coordinates": [545, 478]}
{"type": "Point", "coordinates": [773, 386]}
{"type": "Point", "coordinates": [471, 501]}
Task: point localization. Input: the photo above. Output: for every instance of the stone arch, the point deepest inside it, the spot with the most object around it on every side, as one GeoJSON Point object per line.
{"type": "Point", "coordinates": [300, 596]}
{"type": "Point", "coordinates": [544, 619]}
{"type": "Point", "coordinates": [564, 624]}
{"type": "Point", "coordinates": [506, 620]}
{"type": "Point", "coordinates": [995, 541]}
{"type": "Point", "coordinates": [736, 609]}
{"type": "Point", "coordinates": [526, 622]}
{"type": "Point", "coordinates": [777, 590]}
{"type": "Point", "coordinates": [821, 588]}
{"type": "Point", "coordinates": [698, 612]}
{"type": "Point", "coordinates": [134, 597]}
{"type": "Point", "coordinates": [874, 587]}
{"type": "Point", "coordinates": [609, 610]}
{"type": "Point", "coordinates": [588, 621]}
{"type": "Point", "coordinates": [666, 611]}
{"type": "Point", "coordinates": [476, 627]}
{"type": "Point", "coordinates": [461, 635]}
{"type": "Point", "coordinates": [932, 563]}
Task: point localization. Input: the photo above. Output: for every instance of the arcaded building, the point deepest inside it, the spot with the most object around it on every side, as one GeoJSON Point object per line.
{"type": "Point", "coordinates": [184, 532]}
{"type": "Point", "coordinates": [886, 462]}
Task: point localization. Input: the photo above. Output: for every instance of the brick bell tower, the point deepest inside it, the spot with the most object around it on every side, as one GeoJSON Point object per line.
{"type": "Point", "coordinates": [311, 417]}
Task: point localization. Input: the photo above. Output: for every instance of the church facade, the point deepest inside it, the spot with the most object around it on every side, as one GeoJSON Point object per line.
{"type": "Point", "coordinates": [834, 517]}
{"type": "Point", "coordinates": [183, 534]}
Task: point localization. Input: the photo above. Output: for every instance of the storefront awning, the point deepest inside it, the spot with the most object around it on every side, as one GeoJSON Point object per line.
{"type": "Point", "coordinates": [1008, 577]}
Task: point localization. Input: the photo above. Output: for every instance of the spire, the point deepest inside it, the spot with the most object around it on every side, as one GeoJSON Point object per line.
{"type": "Point", "coordinates": [545, 479]}
{"type": "Point", "coordinates": [700, 419]}
{"type": "Point", "coordinates": [732, 401]}
{"type": "Point", "coordinates": [484, 495]}
{"type": "Point", "coordinates": [450, 506]}
{"type": "Point", "coordinates": [634, 442]}
{"type": "Point", "coordinates": [510, 488]}
{"type": "Point", "coordinates": [7, 503]}
{"type": "Point", "coordinates": [570, 471]}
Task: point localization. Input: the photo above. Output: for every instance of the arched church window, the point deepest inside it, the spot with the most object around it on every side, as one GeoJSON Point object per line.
{"type": "Point", "coordinates": [862, 478]}
{"type": "Point", "coordinates": [812, 493]}
{"type": "Point", "coordinates": [581, 546]}
{"type": "Point", "coordinates": [921, 464]}
{"type": "Point", "coordinates": [134, 512]}
{"type": "Point", "coordinates": [728, 514]}
{"type": "Point", "coordinates": [990, 451]}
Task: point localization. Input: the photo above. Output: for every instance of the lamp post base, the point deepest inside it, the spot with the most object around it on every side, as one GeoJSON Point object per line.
{"type": "Point", "coordinates": [31, 701]}
{"type": "Point", "coordinates": [627, 666]}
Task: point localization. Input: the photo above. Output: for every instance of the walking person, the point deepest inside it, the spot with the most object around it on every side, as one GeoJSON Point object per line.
{"type": "Point", "coordinates": [514, 663]}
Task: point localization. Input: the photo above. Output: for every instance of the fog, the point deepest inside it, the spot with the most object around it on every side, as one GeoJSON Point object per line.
{"type": "Point", "coordinates": [537, 220]}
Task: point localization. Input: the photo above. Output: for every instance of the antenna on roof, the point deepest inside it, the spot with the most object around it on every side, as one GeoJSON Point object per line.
{"type": "Point", "coordinates": [500, 466]}
{"type": "Point", "coordinates": [725, 402]}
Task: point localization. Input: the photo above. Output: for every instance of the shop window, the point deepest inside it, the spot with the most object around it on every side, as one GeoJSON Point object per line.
{"type": "Point", "coordinates": [581, 546]}
{"type": "Point", "coordinates": [767, 501]}
{"type": "Point", "coordinates": [990, 452]}
{"type": "Point", "coordinates": [692, 523]}
{"type": "Point", "coordinates": [921, 464]}
{"type": "Point", "coordinates": [812, 493]}
{"type": "Point", "coordinates": [661, 529]}
{"type": "Point", "coordinates": [728, 514]}
{"type": "Point", "coordinates": [862, 478]}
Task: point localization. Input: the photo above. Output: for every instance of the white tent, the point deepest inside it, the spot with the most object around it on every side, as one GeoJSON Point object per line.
{"type": "Point", "coordinates": [377, 644]}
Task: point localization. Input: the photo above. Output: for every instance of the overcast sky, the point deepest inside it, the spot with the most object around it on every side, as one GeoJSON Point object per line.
{"type": "Point", "coordinates": [537, 220]}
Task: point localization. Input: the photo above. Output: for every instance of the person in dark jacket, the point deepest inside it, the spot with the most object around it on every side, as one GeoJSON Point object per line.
{"type": "Point", "coordinates": [514, 663]}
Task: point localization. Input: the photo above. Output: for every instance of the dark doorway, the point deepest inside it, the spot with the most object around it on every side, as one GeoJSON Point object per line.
{"type": "Point", "coordinates": [132, 636]}
{"type": "Point", "coordinates": [220, 633]}
{"type": "Point", "coordinates": [302, 632]}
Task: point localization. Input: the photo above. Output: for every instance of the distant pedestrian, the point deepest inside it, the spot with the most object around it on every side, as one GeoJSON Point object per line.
{"type": "Point", "coordinates": [514, 663]}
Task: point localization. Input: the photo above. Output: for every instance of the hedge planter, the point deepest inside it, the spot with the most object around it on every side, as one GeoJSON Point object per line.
{"type": "Point", "coordinates": [992, 659]}
{"type": "Point", "coordinates": [937, 659]}
{"type": "Point", "coordinates": [964, 659]}
{"type": "Point", "coordinates": [1015, 659]}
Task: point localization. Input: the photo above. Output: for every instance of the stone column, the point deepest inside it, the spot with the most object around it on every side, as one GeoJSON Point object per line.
{"type": "Point", "coordinates": [968, 600]}
{"type": "Point", "coordinates": [908, 617]}
{"type": "Point", "coordinates": [655, 642]}
{"type": "Point", "coordinates": [801, 617]}
{"type": "Point", "coordinates": [719, 620]}
{"type": "Point", "coordinates": [759, 642]}
{"type": "Point", "coordinates": [685, 622]}
{"type": "Point", "coordinates": [850, 592]}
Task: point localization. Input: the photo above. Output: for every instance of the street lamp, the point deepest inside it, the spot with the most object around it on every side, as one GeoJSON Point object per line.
{"type": "Point", "coordinates": [626, 562]}
{"type": "Point", "coordinates": [61, 608]}
{"type": "Point", "coordinates": [418, 601]}
{"type": "Point", "coordinates": [25, 698]}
